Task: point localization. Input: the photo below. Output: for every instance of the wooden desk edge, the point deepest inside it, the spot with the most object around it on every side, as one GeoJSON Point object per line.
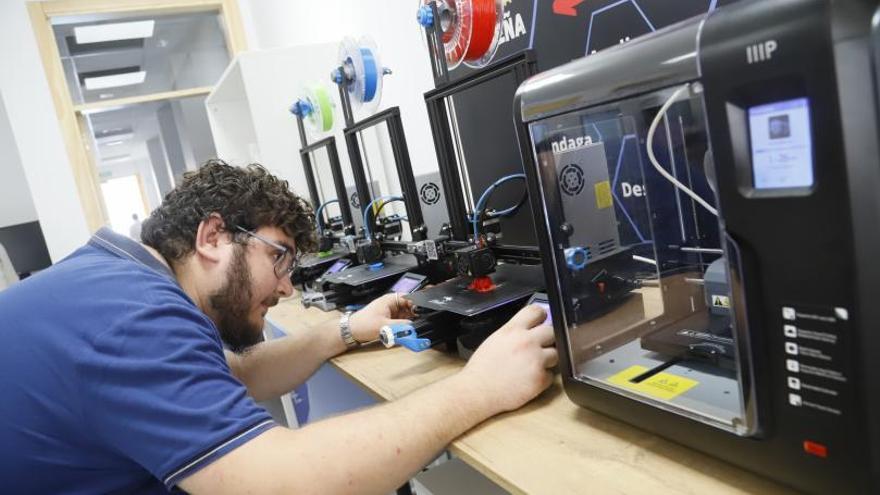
{"type": "Point", "coordinates": [473, 456]}
{"type": "Point", "coordinates": [458, 446]}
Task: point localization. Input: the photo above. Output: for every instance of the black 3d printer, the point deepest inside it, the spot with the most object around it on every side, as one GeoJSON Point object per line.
{"type": "Point", "coordinates": [494, 276]}
{"type": "Point", "coordinates": [708, 209]}
{"type": "Point", "coordinates": [385, 257]}
{"type": "Point", "coordinates": [314, 108]}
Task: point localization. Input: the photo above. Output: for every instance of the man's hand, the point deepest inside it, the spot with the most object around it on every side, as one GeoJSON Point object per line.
{"type": "Point", "coordinates": [376, 449]}
{"type": "Point", "coordinates": [513, 364]}
{"type": "Point", "coordinates": [388, 309]}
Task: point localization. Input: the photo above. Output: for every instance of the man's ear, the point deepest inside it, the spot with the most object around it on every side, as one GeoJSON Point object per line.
{"type": "Point", "coordinates": [211, 237]}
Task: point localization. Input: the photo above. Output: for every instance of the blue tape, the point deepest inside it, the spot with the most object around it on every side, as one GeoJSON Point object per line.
{"type": "Point", "coordinates": [405, 335]}
{"type": "Point", "coordinates": [414, 343]}
{"type": "Point", "coordinates": [401, 329]}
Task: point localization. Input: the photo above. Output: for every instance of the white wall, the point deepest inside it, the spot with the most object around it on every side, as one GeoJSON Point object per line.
{"type": "Point", "coordinates": [145, 168]}
{"type": "Point", "coordinates": [279, 23]}
{"type": "Point", "coordinates": [37, 134]}
{"type": "Point", "coordinates": [273, 80]}
{"type": "Point", "coordinates": [249, 115]}
{"type": "Point", "coordinates": [192, 119]}
{"type": "Point", "coordinates": [16, 205]}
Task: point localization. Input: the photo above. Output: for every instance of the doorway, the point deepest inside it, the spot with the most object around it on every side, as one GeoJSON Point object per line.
{"type": "Point", "coordinates": [129, 80]}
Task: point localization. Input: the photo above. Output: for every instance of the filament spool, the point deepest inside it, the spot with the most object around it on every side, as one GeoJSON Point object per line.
{"type": "Point", "coordinates": [470, 29]}
{"type": "Point", "coordinates": [361, 73]}
{"type": "Point", "coordinates": [315, 106]}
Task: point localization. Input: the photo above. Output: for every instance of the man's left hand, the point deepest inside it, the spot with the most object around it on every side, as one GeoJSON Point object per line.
{"type": "Point", "coordinates": [388, 309]}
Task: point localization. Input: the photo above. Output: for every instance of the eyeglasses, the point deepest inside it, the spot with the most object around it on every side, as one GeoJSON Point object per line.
{"type": "Point", "coordinates": [285, 258]}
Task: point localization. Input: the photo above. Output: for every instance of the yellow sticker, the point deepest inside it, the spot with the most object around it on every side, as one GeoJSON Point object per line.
{"type": "Point", "coordinates": [665, 386]}
{"type": "Point", "coordinates": [603, 195]}
{"type": "Point", "coordinates": [721, 301]}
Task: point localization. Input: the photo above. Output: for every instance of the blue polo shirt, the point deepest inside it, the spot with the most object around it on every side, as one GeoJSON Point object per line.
{"type": "Point", "coordinates": [111, 379]}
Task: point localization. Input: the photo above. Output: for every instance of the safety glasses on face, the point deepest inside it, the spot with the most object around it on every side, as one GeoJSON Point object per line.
{"type": "Point", "coordinates": [285, 258]}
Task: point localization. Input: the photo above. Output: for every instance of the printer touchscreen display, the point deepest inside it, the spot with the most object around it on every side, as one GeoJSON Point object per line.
{"type": "Point", "coordinates": [405, 285]}
{"type": "Point", "coordinates": [782, 146]}
{"type": "Point", "coordinates": [337, 267]}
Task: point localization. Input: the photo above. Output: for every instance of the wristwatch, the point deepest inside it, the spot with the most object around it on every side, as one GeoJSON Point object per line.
{"type": "Point", "coordinates": [345, 331]}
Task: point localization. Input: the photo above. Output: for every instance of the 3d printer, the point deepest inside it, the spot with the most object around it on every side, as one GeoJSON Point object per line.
{"type": "Point", "coordinates": [314, 111]}
{"type": "Point", "coordinates": [385, 250]}
{"type": "Point", "coordinates": [718, 178]}
{"type": "Point", "coordinates": [489, 243]}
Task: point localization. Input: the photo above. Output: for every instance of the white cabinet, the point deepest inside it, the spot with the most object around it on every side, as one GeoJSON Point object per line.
{"type": "Point", "coordinates": [249, 108]}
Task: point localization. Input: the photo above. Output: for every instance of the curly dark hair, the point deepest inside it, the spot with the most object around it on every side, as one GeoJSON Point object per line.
{"type": "Point", "coordinates": [249, 197]}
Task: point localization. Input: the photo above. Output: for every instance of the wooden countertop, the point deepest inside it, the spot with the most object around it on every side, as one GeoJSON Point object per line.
{"type": "Point", "coordinates": [551, 446]}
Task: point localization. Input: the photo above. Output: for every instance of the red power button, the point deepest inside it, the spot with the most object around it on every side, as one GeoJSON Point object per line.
{"type": "Point", "coordinates": [816, 449]}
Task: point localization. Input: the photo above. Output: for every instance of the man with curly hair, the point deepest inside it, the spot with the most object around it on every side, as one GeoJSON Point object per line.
{"type": "Point", "coordinates": [116, 379]}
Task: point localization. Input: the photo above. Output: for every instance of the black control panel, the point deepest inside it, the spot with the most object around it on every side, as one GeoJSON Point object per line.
{"type": "Point", "coordinates": [408, 283]}
{"type": "Point", "coordinates": [772, 106]}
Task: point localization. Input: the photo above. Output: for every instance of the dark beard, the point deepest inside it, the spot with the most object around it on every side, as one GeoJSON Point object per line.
{"type": "Point", "coordinates": [231, 305]}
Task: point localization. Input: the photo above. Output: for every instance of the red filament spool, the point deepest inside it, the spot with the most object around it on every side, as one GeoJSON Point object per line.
{"type": "Point", "coordinates": [469, 29]}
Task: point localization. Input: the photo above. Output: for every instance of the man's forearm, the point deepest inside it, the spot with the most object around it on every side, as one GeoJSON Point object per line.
{"type": "Point", "coordinates": [377, 449]}
{"type": "Point", "coordinates": [401, 437]}
{"type": "Point", "coordinates": [371, 451]}
{"type": "Point", "coordinates": [276, 367]}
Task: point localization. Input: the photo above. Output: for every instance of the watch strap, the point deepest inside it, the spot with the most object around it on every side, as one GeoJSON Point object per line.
{"type": "Point", "coordinates": [345, 330]}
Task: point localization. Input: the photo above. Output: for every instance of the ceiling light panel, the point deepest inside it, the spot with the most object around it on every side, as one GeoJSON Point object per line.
{"type": "Point", "coordinates": [113, 138]}
{"type": "Point", "coordinates": [117, 159]}
{"type": "Point", "coordinates": [98, 33]}
{"type": "Point", "coordinates": [116, 80]}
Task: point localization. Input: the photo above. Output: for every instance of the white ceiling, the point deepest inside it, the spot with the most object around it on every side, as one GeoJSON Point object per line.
{"type": "Point", "coordinates": [184, 48]}
{"type": "Point", "coordinates": [177, 40]}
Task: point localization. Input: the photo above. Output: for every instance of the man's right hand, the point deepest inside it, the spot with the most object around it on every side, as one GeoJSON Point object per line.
{"type": "Point", "coordinates": [377, 449]}
{"type": "Point", "coordinates": [513, 365]}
